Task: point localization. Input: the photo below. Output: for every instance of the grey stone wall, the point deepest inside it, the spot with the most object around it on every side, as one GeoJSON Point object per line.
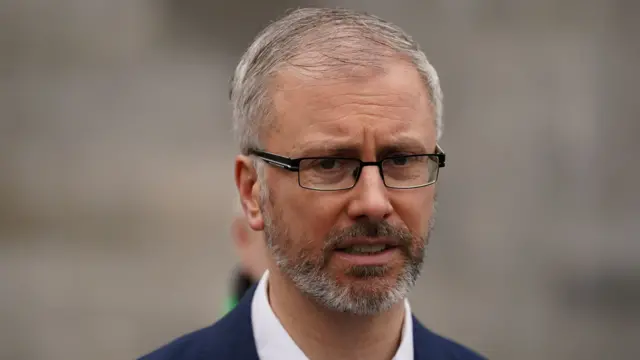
{"type": "Point", "coordinates": [116, 173]}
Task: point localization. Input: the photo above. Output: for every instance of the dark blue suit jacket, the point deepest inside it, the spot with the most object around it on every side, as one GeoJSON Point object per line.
{"type": "Point", "coordinates": [231, 338]}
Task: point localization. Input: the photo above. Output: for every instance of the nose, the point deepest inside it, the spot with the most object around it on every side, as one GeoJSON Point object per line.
{"type": "Point", "coordinates": [370, 199]}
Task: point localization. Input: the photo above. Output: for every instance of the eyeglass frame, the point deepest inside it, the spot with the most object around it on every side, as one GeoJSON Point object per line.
{"type": "Point", "coordinates": [293, 165]}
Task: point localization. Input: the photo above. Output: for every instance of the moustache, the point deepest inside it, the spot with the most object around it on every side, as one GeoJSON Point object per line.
{"type": "Point", "coordinates": [396, 236]}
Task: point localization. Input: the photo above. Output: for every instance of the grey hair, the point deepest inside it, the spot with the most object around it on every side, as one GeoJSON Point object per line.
{"type": "Point", "coordinates": [329, 39]}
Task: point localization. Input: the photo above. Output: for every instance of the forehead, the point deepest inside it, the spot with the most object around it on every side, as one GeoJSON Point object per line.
{"type": "Point", "coordinates": [382, 106]}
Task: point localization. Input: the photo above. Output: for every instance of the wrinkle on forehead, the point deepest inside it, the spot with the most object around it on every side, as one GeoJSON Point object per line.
{"type": "Point", "coordinates": [391, 101]}
{"type": "Point", "coordinates": [389, 88]}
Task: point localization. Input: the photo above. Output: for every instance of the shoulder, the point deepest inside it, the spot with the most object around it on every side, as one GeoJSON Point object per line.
{"type": "Point", "coordinates": [231, 337]}
{"type": "Point", "coordinates": [429, 345]}
{"type": "Point", "coordinates": [186, 347]}
{"type": "Point", "coordinates": [452, 350]}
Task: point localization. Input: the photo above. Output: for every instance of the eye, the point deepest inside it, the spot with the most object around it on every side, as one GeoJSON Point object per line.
{"type": "Point", "coordinates": [399, 161]}
{"type": "Point", "coordinates": [328, 164]}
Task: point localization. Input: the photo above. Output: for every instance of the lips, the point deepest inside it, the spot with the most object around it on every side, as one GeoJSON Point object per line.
{"type": "Point", "coordinates": [365, 246]}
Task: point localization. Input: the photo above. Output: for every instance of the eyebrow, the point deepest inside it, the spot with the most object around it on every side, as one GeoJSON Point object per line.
{"type": "Point", "coordinates": [328, 147]}
{"type": "Point", "coordinates": [403, 144]}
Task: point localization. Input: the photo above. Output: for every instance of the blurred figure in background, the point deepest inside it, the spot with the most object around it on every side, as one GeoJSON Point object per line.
{"type": "Point", "coordinates": [252, 252]}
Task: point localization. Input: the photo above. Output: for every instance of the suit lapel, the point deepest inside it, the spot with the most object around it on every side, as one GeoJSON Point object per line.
{"type": "Point", "coordinates": [236, 332]}
{"type": "Point", "coordinates": [424, 347]}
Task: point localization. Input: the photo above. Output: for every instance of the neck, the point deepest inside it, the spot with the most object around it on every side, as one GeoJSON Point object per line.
{"type": "Point", "coordinates": [324, 334]}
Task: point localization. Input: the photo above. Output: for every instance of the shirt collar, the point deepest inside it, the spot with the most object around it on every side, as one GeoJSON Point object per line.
{"type": "Point", "coordinates": [274, 343]}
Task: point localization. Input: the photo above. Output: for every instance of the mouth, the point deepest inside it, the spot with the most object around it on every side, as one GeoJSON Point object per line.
{"type": "Point", "coordinates": [365, 249]}
{"type": "Point", "coordinates": [367, 254]}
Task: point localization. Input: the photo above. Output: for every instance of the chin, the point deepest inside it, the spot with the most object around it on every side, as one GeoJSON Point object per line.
{"type": "Point", "coordinates": [369, 281]}
{"type": "Point", "coordinates": [356, 289]}
{"type": "Point", "coordinates": [346, 290]}
{"type": "Point", "coordinates": [367, 299]}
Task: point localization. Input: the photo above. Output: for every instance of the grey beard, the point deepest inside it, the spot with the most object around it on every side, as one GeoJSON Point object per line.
{"type": "Point", "coordinates": [309, 277]}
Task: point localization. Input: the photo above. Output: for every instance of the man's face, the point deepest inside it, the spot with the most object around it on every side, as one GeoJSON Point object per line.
{"type": "Point", "coordinates": [385, 114]}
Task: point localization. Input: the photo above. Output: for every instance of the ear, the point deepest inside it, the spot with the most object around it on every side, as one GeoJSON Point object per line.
{"type": "Point", "coordinates": [249, 191]}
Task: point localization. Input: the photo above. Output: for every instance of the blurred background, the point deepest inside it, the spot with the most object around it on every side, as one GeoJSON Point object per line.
{"type": "Point", "coordinates": [116, 172]}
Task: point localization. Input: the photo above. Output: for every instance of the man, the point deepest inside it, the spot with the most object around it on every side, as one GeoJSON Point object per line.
{"type": "Point", "coordinates": [253, 254]}
{"type": "Point", "coordinates": [338, 114]}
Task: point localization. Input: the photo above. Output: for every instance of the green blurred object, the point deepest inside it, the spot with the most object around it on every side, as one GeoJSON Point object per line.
{"type": "Point", "coordinates": [241, 282]}
{"type": "Point", "coordinates": [230, 303]}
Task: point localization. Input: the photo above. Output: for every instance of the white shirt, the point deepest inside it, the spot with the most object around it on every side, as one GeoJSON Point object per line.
{"type": "Point", "coordinates": [274, 343]}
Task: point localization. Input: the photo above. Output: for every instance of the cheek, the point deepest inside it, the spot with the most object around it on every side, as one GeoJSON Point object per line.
{"type": "Point", "coordinates": [311, 217]}
{"type": "Point", "coordinates": [415, 208]}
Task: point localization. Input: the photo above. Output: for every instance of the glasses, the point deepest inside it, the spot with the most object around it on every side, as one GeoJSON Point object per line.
{"type": "Point", "coordinates": [338, 173]}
